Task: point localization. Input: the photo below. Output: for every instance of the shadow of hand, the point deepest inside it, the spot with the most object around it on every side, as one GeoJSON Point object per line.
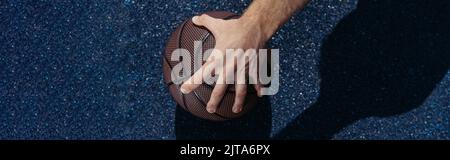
{"type": "Point", "coordinates": [383, 59]}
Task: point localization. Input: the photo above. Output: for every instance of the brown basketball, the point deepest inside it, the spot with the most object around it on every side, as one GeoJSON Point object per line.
{"type": "Point", "coordinates": [195, 102]}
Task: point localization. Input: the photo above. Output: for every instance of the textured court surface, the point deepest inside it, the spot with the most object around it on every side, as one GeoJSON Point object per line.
{"type": "Point", "coordinates": [91, 70]}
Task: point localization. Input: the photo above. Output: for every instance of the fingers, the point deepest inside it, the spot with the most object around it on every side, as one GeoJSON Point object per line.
{"type": "Point", "coordinates": [241, 92]}
{"type": "Point", "coordinates": [196, 80]}
{"type": "Point", "coordinates": [253, 70]}
{"type": "Point", "coordinates": [206, 21]}
{"type": "Point", "coordinates": [258, 89]}
{"type": "Point", "coordinates": [203, 20]}
{"type": "Point", "coordinates": [254, 80]}
{"type": "Point", "coordinates": [214, 61]}
{"type": "Point", "coordinates": [217, 95]}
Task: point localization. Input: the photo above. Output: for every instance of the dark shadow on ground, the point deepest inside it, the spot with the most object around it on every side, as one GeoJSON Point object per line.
{"type": "Point", "coordinates": [256, 124]}
{"type": "Point", "coordinates": [383, 59]}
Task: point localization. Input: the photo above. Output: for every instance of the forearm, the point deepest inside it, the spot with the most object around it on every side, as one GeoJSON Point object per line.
{"type": "Point", "coordinates": [269, 15]}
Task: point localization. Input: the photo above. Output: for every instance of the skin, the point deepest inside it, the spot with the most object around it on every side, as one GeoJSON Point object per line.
{"type": "Point", "coordinates": [251, 31]}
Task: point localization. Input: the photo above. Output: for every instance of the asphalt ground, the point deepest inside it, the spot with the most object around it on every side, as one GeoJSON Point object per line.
{"type": "Point", "coordinates": [92, 70]}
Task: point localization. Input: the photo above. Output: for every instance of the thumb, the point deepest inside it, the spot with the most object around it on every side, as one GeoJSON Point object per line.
{"type": "Point", "coordinates": [206, 21]}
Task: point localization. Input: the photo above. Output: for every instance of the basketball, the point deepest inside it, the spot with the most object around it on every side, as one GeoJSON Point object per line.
{"type": "Point", "coordinates": [195, 102]}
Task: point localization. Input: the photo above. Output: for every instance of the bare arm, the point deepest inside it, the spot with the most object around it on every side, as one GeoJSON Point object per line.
{"type": "Point", "coordinates": [269, 15]}
{"type": "Point", "coordinates": [251, 31]}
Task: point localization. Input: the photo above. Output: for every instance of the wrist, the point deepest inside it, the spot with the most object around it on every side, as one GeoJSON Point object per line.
{"type": "Point", "coordinates": [259, 24]}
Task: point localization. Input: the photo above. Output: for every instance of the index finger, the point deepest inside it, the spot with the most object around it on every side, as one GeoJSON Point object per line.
{"type": "Point", "coordinates": [196, 80]}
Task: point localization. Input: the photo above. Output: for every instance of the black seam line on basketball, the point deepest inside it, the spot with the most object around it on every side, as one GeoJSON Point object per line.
{"type": "Point", "coordinates": [204, 105]}
{"type": "Point", "coordinates": [202, 39]}
{"type": "Point", "coordinates": [167, 61]}
{"type": "Point", "coordinates": [169, 83]}
{"type": "Point", "coordinates": [208, 34]}
{"type": "Point", "coordinates": [179, 44]}
{"type": "Point", "coordinates": [181, 33]}
{"type": "Point", "coordinates": [198, 98]}
{"type": "Point", "coordinates": [219, 115]}
{"type": "Point", "coordinates": [205, 37]}
{"type": "Point", "coordinates": [228, 90]}
{"type": "Point", "coordinates": [231, 16]}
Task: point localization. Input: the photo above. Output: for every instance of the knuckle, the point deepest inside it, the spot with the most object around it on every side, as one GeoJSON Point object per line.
{"type": "Point", "coordinates": [215, 93]}
{"type": "Point", "coordinates": [241, 94]}
{"type": "Point", "coordinates": [211, 105]}
{"type": "Point", "coordinates": [202, 17]}
{"type": "Point", "coordinates": [186, 84]}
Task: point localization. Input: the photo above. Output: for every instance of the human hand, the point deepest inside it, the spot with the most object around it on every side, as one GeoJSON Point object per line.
{"type": "Point", "coordinates": [244, 37]}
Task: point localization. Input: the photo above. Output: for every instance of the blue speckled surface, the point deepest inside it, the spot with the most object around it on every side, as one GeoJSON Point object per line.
{"type": "Point", "coordinates": [91, 70]}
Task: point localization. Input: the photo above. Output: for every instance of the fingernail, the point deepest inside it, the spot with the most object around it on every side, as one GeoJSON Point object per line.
{"type": "Point", "coordinates": [211, 109]}
{"type": "Point", "coordinates": [237, 109]}
{"type": "Point", "coordinates": [184, 91]}
{"type": "Point", "coordinates": [194, 19]}
{"type": "Point", "coordinates": [259, 94]}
